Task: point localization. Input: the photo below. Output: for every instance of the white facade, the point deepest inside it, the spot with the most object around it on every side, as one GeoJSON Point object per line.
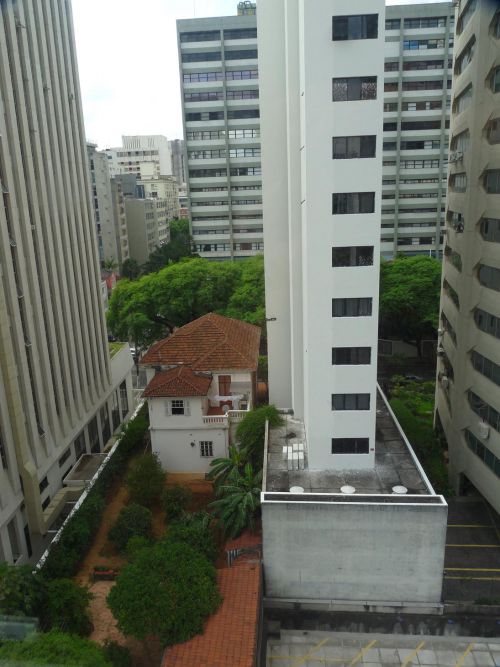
{"type": "Point", "coordinates": [161, 187]}
{"type": "Point", "coordinates": [220, 105]}
{"type": "Point", "coordinates": [314, 256]}
{"type": "Point", "coordinates": [59, 392]}
{"type": "Point", "coordinates": [418, 74]}
{"type": "Point", "coordinates": [147, 226]}
{"type": "Point", "coordinates": [138, 152]}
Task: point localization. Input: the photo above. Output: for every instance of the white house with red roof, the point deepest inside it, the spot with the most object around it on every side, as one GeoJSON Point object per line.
{"type": "Point", "coordinates": [201, 382]}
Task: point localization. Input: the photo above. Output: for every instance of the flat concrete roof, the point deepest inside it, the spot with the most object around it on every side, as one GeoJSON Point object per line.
{"type": "Point", "coordinates": [85, 468]}
{"type": "Point", "coordinates": [394, 463]}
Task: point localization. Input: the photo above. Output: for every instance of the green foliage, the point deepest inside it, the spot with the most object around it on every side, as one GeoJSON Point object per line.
{"type": "Point", "coordinates": [134, 545]}
{"type": "Point", "coordinates": [21, 592]}
{"type": "Point", "coordinates": [175, 501]}
{"type": "Point", "coordinates": [197, 535]}
{"type": "Point", "coordinates": [67, 607]}
{"type": "Point", "coordinates": [168, 592]}
{"type": "Point", "coordinates": [116, 655]}
{"type": "Point", "coordinates": [130, 269]}
{"type": "Point", "coordinates": [149, 308]}
{"type": "Point", "coordinates": [263, 368]}
{"type": "Point", "coordinates": [145, 480]}
{"type": "Point", "coordinates": [413, 404]}
{"type": "Point", "coordinates": [221, 468]}
{"type": "Point", "coordinates": [133, 521]}
{"type": "Point", "coordinates": [251, 432]}
{"type": "Point", "coordinates": [65, 556]}
{"type": "Point", "coordinates": [409, 298]}
{"type": "Point", "coordinates": [53, 648]}
{"type": "Point", "coordinates": [238, 501]}
{"type": "Point", "coordinates": [176, 249]}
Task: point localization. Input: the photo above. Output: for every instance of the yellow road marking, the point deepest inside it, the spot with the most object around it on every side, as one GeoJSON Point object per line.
{"type": "Point", "coordinates": [470, 525]}
{"type": "Point", "coordinates": [472, 569]}
{"type": "Point", "coordinates": [475, 578]}
{"type": "Point", "coordinates": [304, 658]}
{"type": "Point", "coordinates": [464, 655]}
{"type": "Point", "coordinates": [478, 546]}
{"type": "Point", "coordinates": [359, 655]}
{"type": "Point", "coordinates": [412, 655]}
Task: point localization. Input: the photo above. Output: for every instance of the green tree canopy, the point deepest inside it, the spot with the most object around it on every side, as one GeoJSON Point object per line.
{"type": "Point", "coordinates": [53, 648]}
{"type": "Point", "coordinates": [133, 521]}
{"type": "Point", "coordinates": [238, 501]}
{"type": "Point", "coordinates": [178, 247]}
{"type": "Point", "coordinates": [168, 592]}
{"type": "Point", "coordinates": [147, 309]}
{"type": "Point", "coordinates": [22, 593]}
{"type": "Point", "coordinates": [130, 269]}
{"type": "Point", "coordinates": [409, 298]}
{"type": "Point", "coordinates": [250, 433]}
{"type": "Point", "coordinates": [145, 481]}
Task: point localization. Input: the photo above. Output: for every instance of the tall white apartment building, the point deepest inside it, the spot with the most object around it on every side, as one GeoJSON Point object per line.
{"type": "Point", "coordinates": [322, 171]}
{"type": "Point", "coordinates": [60, 394]}
{"type": "Point", "coordinates": [139, 153]}
{"type": "Point", "coordinates": [468, 388]}
{"type": "Point", "coordinates": [220, 106]}
{"type": "Point", "coordinates": [417, 93]}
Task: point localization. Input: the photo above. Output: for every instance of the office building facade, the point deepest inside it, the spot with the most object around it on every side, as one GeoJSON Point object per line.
{"type": "Point", "coordinates": [58, 387]}
{"type": "Point", "coordinates": [220, 105]}
{"type": "Point", "coordinates": [139, 154]}
{"type": "Point", "coordinates": [177, 152]}
{"type": "Point", "coordinates": [417, 94]}
{"type": "Point", "coordinates": [468, 387]}
{"type": "Point", "coordinates": [147, 226]}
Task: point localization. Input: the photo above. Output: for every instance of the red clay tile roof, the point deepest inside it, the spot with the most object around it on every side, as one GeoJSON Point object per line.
{"type": "Point", "coordinates": [180, 381]}
{"type": "Point", "coordinates": [210, 343]}
{"type": "Point", "coordinates": [230, 635]}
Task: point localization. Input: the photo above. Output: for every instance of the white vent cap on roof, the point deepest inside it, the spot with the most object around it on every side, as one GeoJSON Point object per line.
{"type": "Point", "coordinates": [348, 490]}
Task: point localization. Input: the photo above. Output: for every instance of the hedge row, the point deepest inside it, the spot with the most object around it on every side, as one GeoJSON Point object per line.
{"type": "Point", "coordinates": [66, 555]}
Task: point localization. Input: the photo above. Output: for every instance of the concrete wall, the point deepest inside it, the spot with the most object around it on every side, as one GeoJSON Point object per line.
{"type": "Point", "coordinates": [176, 452]}
{"type": "Point", "coordinates": [371, 552]}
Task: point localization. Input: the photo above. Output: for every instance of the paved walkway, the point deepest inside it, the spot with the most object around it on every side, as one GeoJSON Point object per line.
{"type": "Point", "coordinates": [318, 649]}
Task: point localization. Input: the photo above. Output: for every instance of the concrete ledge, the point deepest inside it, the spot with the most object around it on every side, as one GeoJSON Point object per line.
{"type": "Point", "coordinates": [374, 606]}
{"type": "Point", "coordinates": [471, 608]}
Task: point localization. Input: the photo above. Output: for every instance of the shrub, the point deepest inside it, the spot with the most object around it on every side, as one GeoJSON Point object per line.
{"type": "Point", "coordinates": [134, 545]}
{"type": "Point", "coordinates": [67, 607]}
{"type": "Point", "coordinates": [168, 591]}
{"type": "Point", "coordinates": [197, 535]}
{"type": "Point", "coordinates": [53, 648]}
{"type": "Point", "coordinates": [175, 501]}
{"type": "Point", "coordinates": [133, 521]}
{"type": "Point", "coordinates": [22, 593]}
{"type": "Point", "coordinates": [251, 432]}
{"type": "Point", "coordinates": [116, 655]}
{"type": "Point", "coordinates": [146, 480]}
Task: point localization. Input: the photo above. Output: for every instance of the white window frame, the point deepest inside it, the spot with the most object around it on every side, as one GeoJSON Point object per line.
{"type": "Point", "coordinates": [206, 449]}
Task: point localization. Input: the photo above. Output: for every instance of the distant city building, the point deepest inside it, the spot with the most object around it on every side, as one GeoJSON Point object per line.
{"type": "Point", "coordinates": [61, 395]}
{"type": "Point", "coordinates": [147, 226]}
{"type": "Point", "coordinates": [417, 93]}
{"type": "Point", "coordinates": [178, 162]}
{"type": "Point", "coordinates": [468, 388]}
{"type": "Point", "coordinates": [247, 8]}
{"type": "Point", "coordinates": [183, 204]}
{"type": "Point", "coordinates": [140, 152]}
{"type": "Point", "coordinates": [162, 187]}
{"type": "Point", "coordinates": [220, 105]}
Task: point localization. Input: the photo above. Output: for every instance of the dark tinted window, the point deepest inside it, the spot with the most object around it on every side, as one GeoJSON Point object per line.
{"type": "Point", "coordinates": [354, 88]}
{"type": "Point", "coordinates": [358, 26]}
{"type": "Point", "coordinates": [354, 147]}
{"type": "Point", "coordinates": [357, 307]}
{"type": "Point", "coordinates": [350, 445]}
{"type": "Point", "coordinates": [344, 356]}
{"type": "Point", "coordinates": [350, 401]}
{"type": "Point", "coordinates": [352, 256]}
{"type": "Point", "coordinates": [353, 202]}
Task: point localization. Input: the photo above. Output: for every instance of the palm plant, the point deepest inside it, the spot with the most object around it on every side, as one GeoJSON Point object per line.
{"type": "Point", "coordinates": [239, 501]}
{"type": "Point", "coordinates": [221, 468]}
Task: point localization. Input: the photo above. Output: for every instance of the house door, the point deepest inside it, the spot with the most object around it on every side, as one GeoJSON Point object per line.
{"type": "Point", "coordinates": [225, 389]}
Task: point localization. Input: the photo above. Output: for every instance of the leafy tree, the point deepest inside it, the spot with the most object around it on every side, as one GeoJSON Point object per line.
{"type": "Point", "coordinates": [145, 480]}
{"type": "Point", "coordinates": [221, 468]}
{"type": "Point", "coordinates": [67, 607]}
{"type": "Point", "coordinates": [133, 521]}
{"type": "Point", "coordinates": [130, 269]}
{"type": "Point", "coordinates": [238, 501]}
{"type": "Point", "coordinates": [248, 299]}
{"type": "Point", "coordinates": [117, 655]}
{"type": "Point", "coordinates": [175, 501]}
{"type": "Point", "coordinates": [22, 593]}
{"type": "Point", "coordinates": [134, 545]}
{"type": "Point", "coordinates": [251, 432]}
{"type": "Point", "coordinates": [53, 648]}
{"type": "Point", "coordinates": [177, 248]}
{"type": "Point", "coordinates": [168, 592]}
{"type": "Point", "coordinates": [409, 298]}
{"type": "Point", "coordinates": [197, 535]}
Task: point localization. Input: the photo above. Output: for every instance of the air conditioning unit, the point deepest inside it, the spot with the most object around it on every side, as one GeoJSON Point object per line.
{"type": "Point", "coordinates": [484, 430]}
{"type": "Point", "coordinates": [445, 382]}
{"type": "Point", "coordinates": [440, 351]}
{"type": "Point", "coordinates": [455, 156]}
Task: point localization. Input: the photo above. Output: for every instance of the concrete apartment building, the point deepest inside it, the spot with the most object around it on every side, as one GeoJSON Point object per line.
{"type": "Point", "coordinates": [61, 395]}
{"type": "Point", "coordinates": [112, 239]}
{"type": "Point", "coordinates": [177, 151]}
{"type": "Point", "coordinates": [468, 388]}
{"type": "Point", "coordinates": [349, 517]}
{"type": "Point", "coordinates": [417, 93]}
{"type": "Point", "coordinates": [147, 226]}
{"type": "Point", "coordinates": [139, 152]}
{"type": "Point", "coordinates": [161, 187]}
{"type": "Point", "coordinates": [220, 107]}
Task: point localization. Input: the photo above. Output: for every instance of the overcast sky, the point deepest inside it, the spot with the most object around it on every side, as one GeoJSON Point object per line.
{"type": "Point", "coordinates": [127, 55]}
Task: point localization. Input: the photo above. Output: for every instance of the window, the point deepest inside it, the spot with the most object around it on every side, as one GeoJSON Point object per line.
{"type": "Point", "coordinates": [358, 26]}
{"type": "Point", "coordinates": [486, 367]}
{"type": "Point", "coordinates": [206, 448]}
{"type": "Point", "coordinates": [353, 202]}
{"type": "Point", "coordinates": [489, 277]}
{"type": "Point", "coordinates": [418, 125]}
{"type": "Point", "coordinates": [391, 66]}
{"type": "Point", "coordinates": [46, 503]}
{"type": "Point", "coordinates": [423, 64]}
{"type": "Point", "coordinates": [354, 88]}
{"type": "Point", "coordinates": [246, 171]}
{"type": "Point", "coordinates": [200, 36]}
{"type": "Point", "coordinates": [351, 356]}
{"type": "Point", "coordinates": [43, 484]}
{"type": "Point", "coordinates": [199, 77]}
{"type": "Point", "coordinates": [352, 256]}
{"type": "Point", "coordinates": [487, 322]}
{"type": "Point", "coordinates": [451, 293]}
{"type": "Point", "coordinates": [422, 44]}
{"type": "Point", "coordinates": [115, 411]}
{"type": "Point", "coordinates": [424, 85]}
{"type": "Point", "coordinates": [350, 401]}
{"type": "Point", "coordinates": [391, 86]}
{"type": "Point", "coordinates": [493, 131]}
{"type": "Point", "coordinates": [235, 114]}
{"type": "Point", "coordinates": [455, 220]}
{"type": "Point", "coordinates": [206, 155]}
{"type": "Point", "coordinates": [458, 182]}
{"type": "Point", "coordinates": [453, 257]}
{"type": "Point", "coordinates": [242, 74]}
{"type": "Point", "coordinates": [204, 173]}
{"type": "Point", "coordinates": [392, 24]}
{"type": "Point", "coordinates": [240, 33]}
{"type": "Point", "coordinates": [390, 106]}
{"type": "Point", "coordinates": [490, 229]}
{"type": "Point", "coordinates": [484, 410]}
{"type": "Point", "coordinates": [390, 127]}
{"type": "Point", "coordinates": [429, 22]}
{"type": "Point", "coordinates": [482, 452]}
{"type": "Point", "coordinates": [224, 385]}
{"type": "Point", "coordinates": [466, 16]}
{"type": "Point", "coordinates": [200, 57]}
{"type": "Point", "coordinates": [389, 146]}
{"type": "Point", "coordinates": [65, 457]}
{"type": "Point", "coordinates": [240, 54]}
{"type": "Point", "coordinates": [465, 57]}
{"type": "Point", "coordinates": [124, 398]}
{"type": "Point", "coordinates": [3, 454]}
{"type": "Point", "coordinates": [204, 116]}
{"type": "Point", "coordinates": [353, 147]}
{"type": "Point", "coordinates": [14, 540]}
{"type": "Point", "coordinates": [177, 407]}
{"type": "Point", "coordinates": [80, 445]}
{"type": "Point", "coordinates": [448, 327]}
{"type": "Point", "coordinates": [244, 152]}
{"type": "Point", "coordinates": [211, 96]}
{"type": "Point", "coordinates": [350, 445]}
{"type": "Point", "coordinates": [461, 141]}
{"type": "Point", "coordinates": [492, 181]}
{"type": "Point", "coordinates": [106, 431]}
{"type": "Point", "coordinates": [495, 25]}
{"type": "Point", "coordinates": [356, 307]}
{"type": "Point", "coordinates": [93, 431]}
{"type": "Point", "coordinates": [463, 100]}
{"type": "Point", "coordinates": [242, 94]}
